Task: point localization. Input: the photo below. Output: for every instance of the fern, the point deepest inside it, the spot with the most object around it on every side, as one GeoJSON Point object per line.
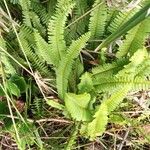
{"type": "Point", "coordinates": [98, 19]}
{"type": "Point", "coordinates": [77, 28]}
{"type": "Point", "coordinates": [66, 63]}
{"type": "Point", "coordinates": [37, 107]}
{"type": "Point", "coordinates": [24, 33]}
{"type": "Point", "coordinates": [41, 12]}
{"type": "Point", "coordinates": [72, 138]}
{"type": "Point", "coordinates": [75, 74]}
{"type": "Point", "coordinates": [110, 84]}
{"type": "Point", "coordinates": [131, 68]}
{"type": "Point", "coordinates": [98, 125]}
{"type": "Point", "coordinates": [135, 39]}
{"type": "Point", "coordinates": [14, 1]}
{"type": "Point", "coordinates": [36, 63]}
{"type": "Point", "coordinates": [51, 5]}
{"type": "Point", "coordinates": [117, 98]}
{"type": "Point", "coordinates": [143, 69]}
{"type": "Point", "coordinates": [80, 10]}
{"type": "Point", "coordinates": [108, 69]}
{"type": "Point", "coordinates": [43, 49]}
{"type": "Point", "coordinates": [120, 19]}
{"type": "Point", "coordinates": [86, 84]}
{"type": "Point", "coordinates": [37, 24]}
{"type": "Point", "coordinates": [56, 29]}
{"type": "Point", "coordinates": [26, 12]}
{"type": "Point", "coordinates": [77, 106]}
{"type": "Point", "coordinates": [4, 58]}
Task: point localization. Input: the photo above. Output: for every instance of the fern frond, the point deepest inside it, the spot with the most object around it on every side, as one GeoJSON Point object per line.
{"type": "Point", "coordinates": [25, 5]}
{"type": "Point", "coordinates": [40, 11]}
{"type": "Point", "coordinates": [78, 106]}
{"type": "Point", "coordinates": [80, 10]}
{"type": "Point", "coordinates": [14, 1]}
{"type": "Point", "coordinates": [56, 29]}
{"type": "Point", "coordinates": [131, 68]}
{"type": "Point", "coordinates": [34, 59]}
{"type": "Point", "coordinates": [110, 84]}
{"type": "Point", "coordinates": [37, 107]}
{"type": "Point", "coordinates": [72, 138]}
{"type": "Point", "coordinates": [117, 98]}
{"type": "Point", "coordinates": [98, 19]}
{"type": "Point", "coordinates": [66, 63]}
{"type": "Point", "coordinates": [5, 60]}
{"type": "Point", "coordinates": [86, 84]}
{"type": "Point", "coordinates": [24, 33]}
{"type": "Point", "coordinates": [98, 125]}
{"type": "Point", "coordinates": [74, 76]}
{"type": "Point", "coordinates": [108, 69]}
{"type": "Point", "coordinates": [78, 28]}
{"type": "Point", "coordinates": [143, 69]}
{"type": "Point", "coordinates": [120, 19]}
{"type": "Point", "coordinates": [135, 39]}
{"type": "Point", "coordinates": [37, 24]}
{"type": "Point", "coordinates": [43, 49]}
{"type": "Point", "coordinates": [51, 5]}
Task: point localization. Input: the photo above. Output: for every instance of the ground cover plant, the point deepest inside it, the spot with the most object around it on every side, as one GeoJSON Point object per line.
{"type": "Point", "coordinates": [74, 74]}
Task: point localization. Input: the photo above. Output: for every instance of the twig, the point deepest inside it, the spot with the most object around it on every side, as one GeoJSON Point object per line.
{"type": "Point", "coordinates": [42, 120]}
{"type": "Point", "coordinates": [124, 139]}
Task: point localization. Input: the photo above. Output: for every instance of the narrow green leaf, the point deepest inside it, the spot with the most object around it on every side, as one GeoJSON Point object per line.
{"type": "Point", "coordinates": [20, 82]}
{"type": "Point", "coordinates": [55, 104]}
{"type": "Point", "coordinates": [13, 88]}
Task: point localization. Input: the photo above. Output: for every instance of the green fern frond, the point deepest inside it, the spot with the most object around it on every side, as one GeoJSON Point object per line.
{"type": "Point", "coordinates": [37, 107]}
{"type": "Point", "coordinates": [80, 10]}
{"type": "Point", "coordinates": [25, 5]}
{"type": "Point", "coordinates": [43, 49]}
{"type": "Point", "coordinates": [24, 33]}
{"type": "Point", "coordinates": [120, 19]}
{"type": "Point", "coordinates": [66, 63]}
{"type": "Point", "coordinates": [86, 84]}
{"type": "Point", "coordinates": [110, 84]}
{"type": "Point", "coordinates": [77, 70]}
{"type": "Point", "coordinates": [117, 98]}
{"type": "Point", "coordinates": [37, 24]}
{"type": "Point", "coordinates": [135, 39]}
{"type": "Point", "coordinates": [131, 68]}
{"type": "Point", "coordinates": [14, 1]}
{"type": "Point", "coordinates": [98, 19]}
{"type": "Point", "coordinates": [78, 28]}
{"type": "Point", "coordinates": [78, 106]}
{"type": "Point", "coordinates": [34, 59]}
{"type": "Point", "coordinates": [108, 69]}
{"type": "Point", "coordinates": [73, 137]}
{"type": "Point", "coordinates": [51, 5]}
{"type": "Point", "coordinates": [98, 125]}
{"type": "Point", "coordinates": [143, 69]}
{"type": "Point", "coordinates": [40, 11]}
{"type": "Point", "coordinates": [9, 69]}
{"type": "Point", "coordinates": [56, 29]}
